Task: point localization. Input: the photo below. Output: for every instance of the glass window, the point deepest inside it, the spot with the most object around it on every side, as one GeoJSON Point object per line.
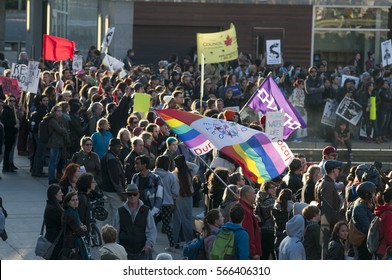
{"type": "Point", "coordinates": [351, 17]}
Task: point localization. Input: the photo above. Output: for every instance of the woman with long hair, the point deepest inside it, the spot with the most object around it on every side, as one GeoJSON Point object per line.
{"type": "Point", "coordinates": [182, 218]}
{"type": "Point", "coordinates": [52, 218]}
{"type": "Point", "coordinates": [211, 224]}
{"type": "Point", "coordinates": [74, 247]}
{"type": "Point", "coordinates": [310, 178]}
{"type": "Point", "coordinates": [338, 242]}
{"type": "Point", "coordinates": [281, 213]}
{"type": "Point", "coordinates": [69, 178]}
{"type": "Point", "coordinates": [231, 195]}
{"type": "Point", "coordinates": [85, 185]}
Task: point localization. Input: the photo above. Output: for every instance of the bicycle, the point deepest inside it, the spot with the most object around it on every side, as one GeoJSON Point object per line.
{"type": "Point", "coordinates": [97, 212]}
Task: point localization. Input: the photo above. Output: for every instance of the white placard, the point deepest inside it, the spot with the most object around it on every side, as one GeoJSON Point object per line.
{"type": "Point", "coordinates": [329, 114]}
{"type": "Point", "coordinates": [20, 73]}
{"type": "Point", "coordinates": [355, 79]}
{"type": "Point", "coordinates": [112, 63]}
{"type": "Point", "coordinates": [33, 76]}
{"type": "Point", "coordinates": [386, 53]}
{"type": "Point", "coordinates": [77, 63]}
{"type": "Point", "coordinates": [108, 38]}
{"type": "Point", "coordinates": [274, 54]}
{"type": "Point", "coordinates": [274, 124]}
{"type": "Point", "coordinates": [349, 110]}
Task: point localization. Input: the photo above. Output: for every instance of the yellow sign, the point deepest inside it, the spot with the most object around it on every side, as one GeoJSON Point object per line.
{"type": "Point", "coordinates": [217, 47]}
{"type": "Point", "coordinates": [141, 103]}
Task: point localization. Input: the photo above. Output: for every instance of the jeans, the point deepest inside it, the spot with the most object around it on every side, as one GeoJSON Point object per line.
{"type": "Point", "coordinates": [55, 154]}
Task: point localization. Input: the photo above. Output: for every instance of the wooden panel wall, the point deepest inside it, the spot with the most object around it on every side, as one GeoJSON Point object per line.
{"type": "Point", "coordinates": [164, 28]}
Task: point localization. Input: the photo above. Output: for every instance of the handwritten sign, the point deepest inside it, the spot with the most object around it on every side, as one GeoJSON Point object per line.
{"type": "Point", "coordinates": [20, 73]}
{"type": "Point", "coordinates": [33, 76]}
{"type": "Point", "coordinates": [10, 86]}
{"type": "Point", "coordinates": [274, 124]}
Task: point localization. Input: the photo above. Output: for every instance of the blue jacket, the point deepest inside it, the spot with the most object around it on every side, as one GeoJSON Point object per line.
{"type": "Point", "coordinates": [241, 240]}
{"type": "Point", "coordinates": [101, 142]}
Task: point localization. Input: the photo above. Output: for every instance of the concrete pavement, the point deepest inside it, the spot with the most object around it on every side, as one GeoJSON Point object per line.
{"type": "Point", "coordinates": [24, 197]}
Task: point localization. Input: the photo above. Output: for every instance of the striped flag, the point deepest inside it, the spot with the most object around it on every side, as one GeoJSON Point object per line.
{"type": "Point", "coordinates": [262, 157]}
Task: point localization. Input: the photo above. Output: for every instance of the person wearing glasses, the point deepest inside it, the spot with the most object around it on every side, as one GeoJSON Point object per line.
{"type": "Point", "coordinates": [328, 197]}
{"type": "Point", "coordinates": [135, 226]}
{"type": "Point", "coordinates": [11, 126]}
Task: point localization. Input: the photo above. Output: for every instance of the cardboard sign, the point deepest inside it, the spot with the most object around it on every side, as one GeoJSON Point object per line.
{"type": "Point", "coordinates": [274, 54]}
{"type": "Point", "coordinates": [77, 63]}
{"type": "Point", "coordinates": [20, 73]}
{"type": "Point", "coordinates": [274, 124]}
{"type": "Point", "coordinates": [329, 114]}
{"type": "Point", "coordinates": [33, 77]}
{"type": "Point", "coordinates": [10, 86]}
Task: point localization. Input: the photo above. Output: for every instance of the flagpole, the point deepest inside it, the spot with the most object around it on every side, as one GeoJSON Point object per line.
{"type": "Point", "coordinates": [201, 84]}
{"type": "Point", "coordinates": [213, 171]}
{"type": "Point", "coordinates": [247, 102]}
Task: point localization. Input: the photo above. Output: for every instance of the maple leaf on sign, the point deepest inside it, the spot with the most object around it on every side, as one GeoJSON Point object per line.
{"type": "Point", "coordinates": [228, 41]}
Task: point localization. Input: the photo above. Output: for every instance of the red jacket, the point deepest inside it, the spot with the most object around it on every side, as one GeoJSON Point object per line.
{"type": "Point", "coordinates": [251, 224]}
{"type": "Point", "coordinates": [385, 226]}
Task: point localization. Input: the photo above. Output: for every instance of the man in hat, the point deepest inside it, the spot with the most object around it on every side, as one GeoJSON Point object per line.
{"type": "Point", "coordinates": [113, 178]}
{"type": "Point", "coordinates": [135, 226]}
{"type": "Point", "coordinates": [328, 153]}
{"type": "Point", "coordinates": [327, 195]}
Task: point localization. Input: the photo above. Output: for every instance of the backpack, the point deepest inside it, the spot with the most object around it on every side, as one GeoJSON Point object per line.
{"type": "Point", "coordinates": [194, 249]}
{"type": "Point", "coordinates": [43, 130]}
{"type": "Point", "coordinates": [373, 236]}
{"type": "Point", "coordinates": [223, 247]}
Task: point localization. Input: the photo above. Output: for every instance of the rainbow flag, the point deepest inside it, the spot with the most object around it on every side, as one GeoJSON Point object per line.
{"type": "Point", "coordinates": [262, 157]}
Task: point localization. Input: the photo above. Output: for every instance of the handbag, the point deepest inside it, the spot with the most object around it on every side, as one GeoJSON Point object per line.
{"type": "Point", "coordinates": [44, 248]}
{"type": "Point", "coordinates": [355, 236]}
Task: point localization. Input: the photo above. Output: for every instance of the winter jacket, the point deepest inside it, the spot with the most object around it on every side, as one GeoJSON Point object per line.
{"type": "Point", "coordinates": [385, 227]}
{"type": "Point", "coordinates": [312, 241]}
{"type": "Point", "coordinates": [335, 250]}
{"type": "Point", "coordinates": [251, 224]}
{"type": "Point", "coordinates": [171, 188]}
{"type": "Point", "coordinates": [101, 141]}
{"type": "Point", "coordinates": [264, 204]}
{"type": "Point", "coordinates": [241, 240]}
{"type": "Point", "coordinates": [291, 248]}
{"type": "Point", "coordinates": [58, 134]}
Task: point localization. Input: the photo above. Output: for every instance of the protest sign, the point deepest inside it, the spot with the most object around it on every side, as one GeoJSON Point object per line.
{"type": "Point", "coordinates": [329, 114]}
{"type": "Point", "coordinates": [10, 86]}
{"type": "Point", "coordinates": [142, 103]}
{"type": "Point", "coordinates": [355, 79]}
{"type": "Point", "coordinates": [77, 63]}
{"type": "Point", "coordinates": [112, 63]}
{"type": "Point", "coordinates": [386, 53]}
{"type": "Point", "coordinates": [20, 73]}
{"type": "Point", "coordinates": [108, 38]}
{"type": "Point", "coordinates": [274, 124]}
{"type": "Point", "coordinates": [349, 110]}
{"type": "Point", "coordinates": [274, 55]}
{"type": "Point", "coordinates": [33, 77]}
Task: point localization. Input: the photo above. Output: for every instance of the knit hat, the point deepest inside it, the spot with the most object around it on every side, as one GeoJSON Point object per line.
{"type": "Point", "coordinates": [159, 121]}
{"type": "Point", "coordinates": [170, 140]}
{"type": "Point", "coordinates": [229, 115]}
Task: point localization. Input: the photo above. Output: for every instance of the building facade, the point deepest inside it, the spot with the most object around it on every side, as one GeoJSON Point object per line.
{"type": "Point", "coordinates": [308, 30]}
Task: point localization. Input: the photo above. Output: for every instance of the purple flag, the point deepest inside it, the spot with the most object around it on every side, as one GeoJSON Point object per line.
{"type": "Point", "coordinates": [269, 98]}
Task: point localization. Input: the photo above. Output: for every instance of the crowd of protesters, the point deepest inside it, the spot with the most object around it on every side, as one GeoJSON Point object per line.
{"type": "Point", "coordinates": [84, 123]}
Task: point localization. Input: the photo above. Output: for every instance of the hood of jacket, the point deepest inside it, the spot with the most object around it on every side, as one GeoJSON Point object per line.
{"type": "Point", "coordinates": [295, 227]}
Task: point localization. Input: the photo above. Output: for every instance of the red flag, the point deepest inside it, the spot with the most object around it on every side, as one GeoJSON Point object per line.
{"type": "Point", "coordinates": [56, 48]}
